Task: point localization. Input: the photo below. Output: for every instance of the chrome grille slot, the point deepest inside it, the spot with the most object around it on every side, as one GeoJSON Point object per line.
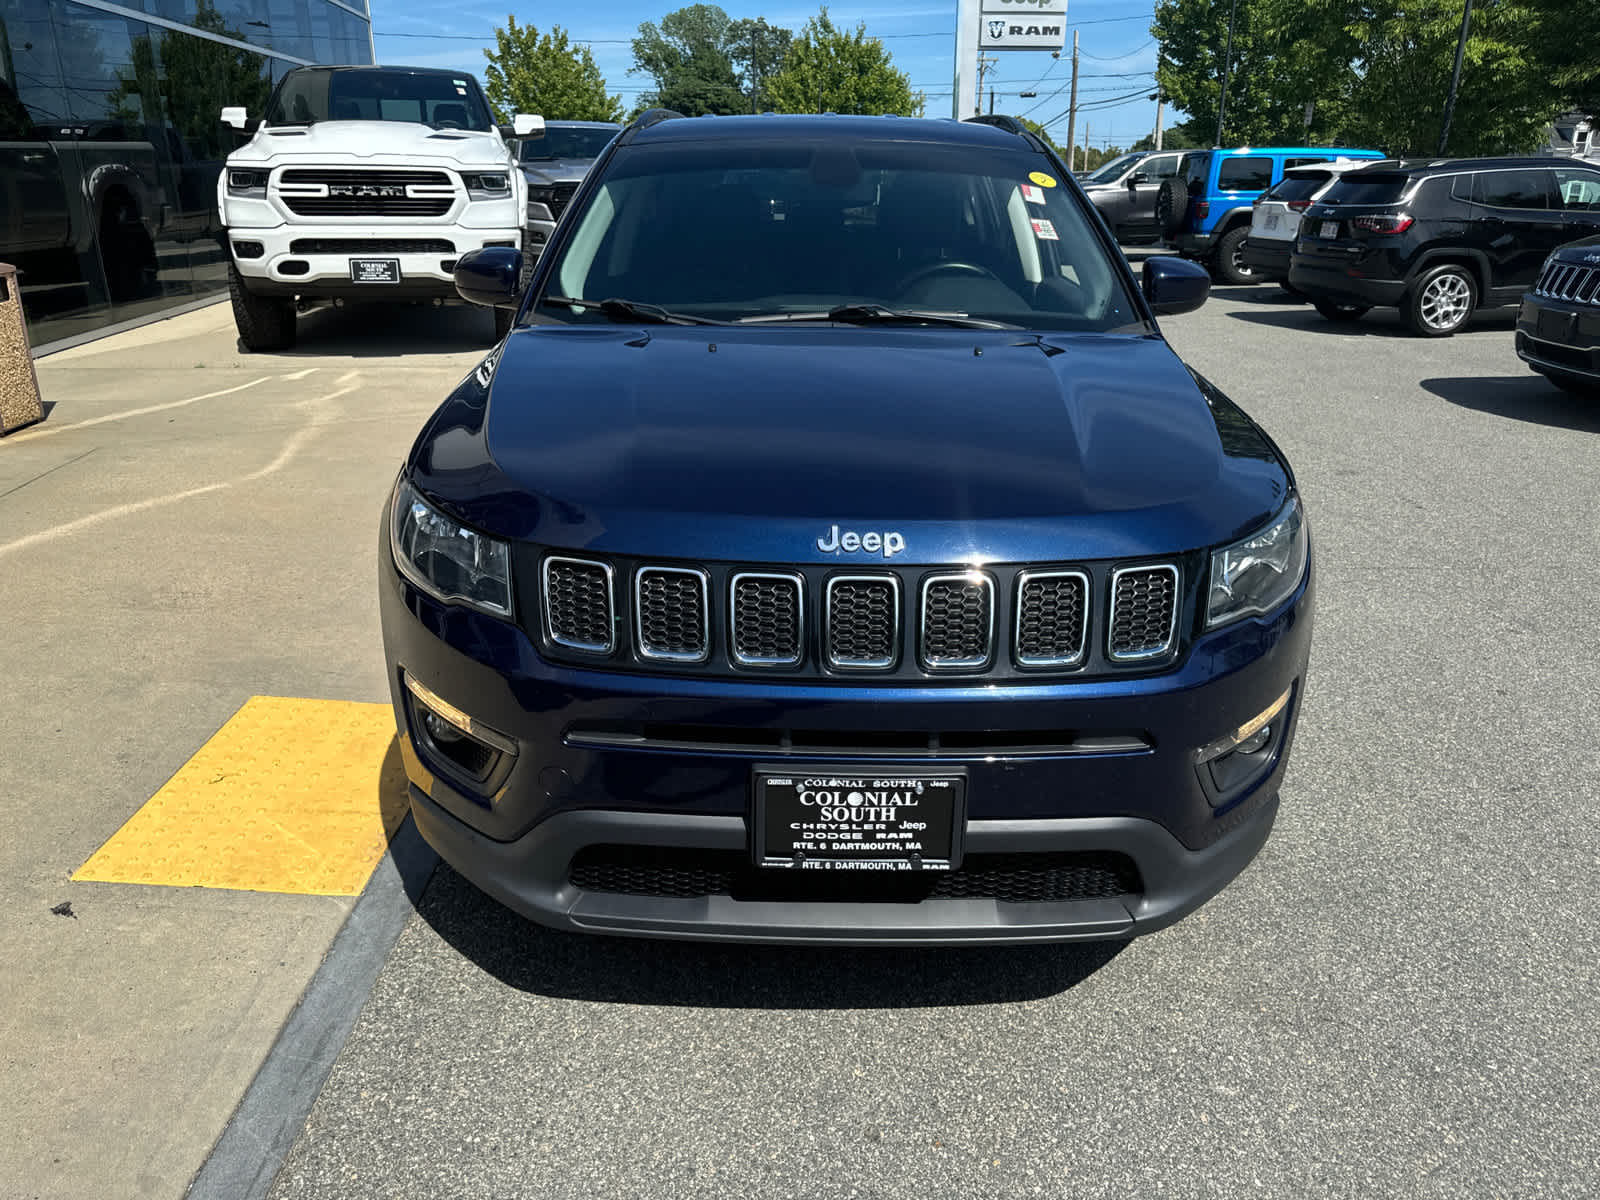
{"type": "Point", "coordinates": [957, 620]}
{"type": "Point", "coordinates": [1052, 618]}
{"type": "Point", "coordinates": [862, 617]}
{"type": "Point", "coordinates": [671, 614]}
{"type": "Point", "coordinates": [767, 620]}
{"type": "Point", "coordinates": [377, 192]}
{"type": "Point", "coordinates": [1565, 281]}
{"type": "Point", "coordinates": [1144, 612]}
{"type": "Point", "coordinates": [579, 604]}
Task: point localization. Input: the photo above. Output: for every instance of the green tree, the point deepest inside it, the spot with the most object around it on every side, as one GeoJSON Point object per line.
{"type": "Point", "coordinates": [689, 57]}
{"type": "Point", "coordinates": [1043, 135]}
{"type": "Point", "coordinates": [757, 50]}
{"type": "Point", "coordinates": [829, 70]}
{"type": "Point", "coordinates": [1179, 136]}
{"type": "Point", "coordinates": [546, 74]}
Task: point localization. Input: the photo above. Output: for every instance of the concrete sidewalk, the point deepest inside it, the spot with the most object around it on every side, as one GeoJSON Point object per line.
{"type": "Point", "coordinates": [190, 527]}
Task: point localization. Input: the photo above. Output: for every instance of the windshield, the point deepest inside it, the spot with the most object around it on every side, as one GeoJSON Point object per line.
{"type": "Point", "coordinates": [1362, 188]}
{"type": "Point", "coordinates": [441, 100]}
{"type": "Point", "coordinates": [729, 232]}
{"type": "Point", "coordinates": [568, 142]}
{"type": "Point", "coordinates": [1111, 171]}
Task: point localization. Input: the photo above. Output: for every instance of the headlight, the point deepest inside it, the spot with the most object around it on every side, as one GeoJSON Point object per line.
{"type": "Point", "coordinates": [494, 185]}
{"type": "Point", "coordinates": [242, 183]}
{"type": "Point", "coordinates": [1260, 572]}
{"type": "Point", "coordinates": [446, 559]}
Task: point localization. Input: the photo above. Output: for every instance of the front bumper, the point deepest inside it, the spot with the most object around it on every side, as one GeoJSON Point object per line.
{"type": "Point", "coordinates": [516, 836]}
{"type": "Point", "coordinates": [314, 260]}
{"type": "Point", "coordinates": [1560, 339]}
{"type": "Point", "coordinates": [1267, 257]}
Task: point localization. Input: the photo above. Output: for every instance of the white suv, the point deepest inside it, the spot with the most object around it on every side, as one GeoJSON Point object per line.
{"type": "Point", "coordinates": [364, 183]}
{"type": "Point", "coordinates": [1275, 217]}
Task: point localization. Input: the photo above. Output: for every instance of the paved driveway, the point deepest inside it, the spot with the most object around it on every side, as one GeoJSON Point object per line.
{"type": "Point", "coordinates": [1397, 999]}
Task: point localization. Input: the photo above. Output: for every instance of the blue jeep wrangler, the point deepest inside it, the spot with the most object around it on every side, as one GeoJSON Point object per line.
{"type": "Point", "coordinates": [1204, 210]}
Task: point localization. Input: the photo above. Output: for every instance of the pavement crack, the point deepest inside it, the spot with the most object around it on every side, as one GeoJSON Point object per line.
{"type": "Point", "coordinates": [47, 471]}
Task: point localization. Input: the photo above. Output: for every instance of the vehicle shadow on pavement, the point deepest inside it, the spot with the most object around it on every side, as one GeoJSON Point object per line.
{"type": "Point", "coordinates": [572, 966]}
{"type": "Point", "coordinates": [390, 330]}
{"type": "Point", "coordinates": [1527, 397]}
{"type": "Point", "coordinates": [1380, 322]}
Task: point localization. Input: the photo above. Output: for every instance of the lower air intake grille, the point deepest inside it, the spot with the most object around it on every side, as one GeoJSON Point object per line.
{"type": "Point", "coordinates": [957, 620]}
{"type": "Point", "coordinates": [1010, 878]}
{"type": "Point", "coordinates": [863, 621]}
{"type": "Point", "coordinates": [578, 604]}
{"type": "Point", "coordinates": [1052, 607]}
{"type": "Point", "coordinates": [1144, 606]}
{"type": "Point", "coordinates": [670, 603]}
{"type": "Point", "coordinates": [766, 620]}
{"type": "Point", "coordinates": [371, 246]}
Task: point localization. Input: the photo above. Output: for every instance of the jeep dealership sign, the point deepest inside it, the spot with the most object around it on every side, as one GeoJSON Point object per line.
{"type": "Point", "coordinates": [1022, 24]}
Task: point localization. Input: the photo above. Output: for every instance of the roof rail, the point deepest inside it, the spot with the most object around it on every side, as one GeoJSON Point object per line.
{"type": "Point", "coordinates": [999, 121]}
{"type": "Point", "coordinates": [649, 117]}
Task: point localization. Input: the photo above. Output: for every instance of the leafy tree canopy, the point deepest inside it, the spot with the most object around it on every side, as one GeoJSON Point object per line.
{"type": "Point", "coordinates": [688, 55]}
{"type": "Point", "coordinates": [830, 70]}
{"type": "Point", "coordinates": [545, 74]}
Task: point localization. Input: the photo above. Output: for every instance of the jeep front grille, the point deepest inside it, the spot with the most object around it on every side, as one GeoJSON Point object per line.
{"type": "Point", "coordinates": [767, 619]}
{"type": "Point", "coordinates": [672, 614]}
{"type": "Point", "coordinates": [957, 620]}
{"type": "Point", "coordinates": [997, 622]}
{"type": "Point", "coordinates": [376, 192]}
{"type": "Point", "coordinates": [1144, 612]}
{"type": "Point", "coordinates": [1568, 281]}
{"type": "Point", "coordinates": [578, 604]}
{"type": "Point", "coordinates": [863, 620]}
{"type": "Point", "coordinates": [561, 197]}
{"type": "Point", "coordinates": [1052, 618]}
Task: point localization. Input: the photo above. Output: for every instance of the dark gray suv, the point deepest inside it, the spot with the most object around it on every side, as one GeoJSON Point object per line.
{"type": "Point", "coordinates": [1124, 190]}
{"type": "Point", "coordinates": [554, 166]}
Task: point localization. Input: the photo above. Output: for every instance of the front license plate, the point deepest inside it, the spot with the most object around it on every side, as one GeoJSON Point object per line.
{"type": "Point", "coordinates": [820, 819]}
{"type": "Point", "coordinates": [1555, 326]}
{"type": "Point", "coordinates": [1330, 229]}
{"type": "Point", "coordinates": [375, 270]}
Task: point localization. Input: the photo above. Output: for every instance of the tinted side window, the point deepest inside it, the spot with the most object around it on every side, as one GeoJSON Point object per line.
{"type": "Point", "coordinates": [1244, 175]}
{"type": "Point", "coordinates": [1195, 169]}
{"type": "Point", "coordinates": [1578, 189]}
{"type": "Point", "coordinates": [1303, 162]}
{"type": "Point", "coordinates": [1299, 187]}
{"type": "Point", "coordinates": [1515, 189]}
{"type": "Point", "coordinates": [1162, 166]}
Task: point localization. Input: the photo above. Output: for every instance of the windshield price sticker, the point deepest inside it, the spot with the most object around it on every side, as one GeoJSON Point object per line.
{"type": "Point", "coordinates": [1033, 195]}
{"type": "Point", "coordinates": [1044, 230]}
{"type": "Point", "coordinates": [1041, 179]}
{"type": "Point", "coordinates": [823, 822]}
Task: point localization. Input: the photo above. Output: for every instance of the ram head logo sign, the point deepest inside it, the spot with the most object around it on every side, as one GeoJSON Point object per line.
{"type": "Point", "coordinates": [997, 29]}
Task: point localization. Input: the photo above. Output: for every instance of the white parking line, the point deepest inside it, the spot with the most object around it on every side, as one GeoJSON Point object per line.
{"type": "Point", "coordinates": [39, 432]}
{"type": "Point", "coordinates": [296, 441]}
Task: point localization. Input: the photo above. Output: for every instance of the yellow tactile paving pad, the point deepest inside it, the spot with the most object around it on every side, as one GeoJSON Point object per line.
{"type": "Point", "coordinates": [289, 796]}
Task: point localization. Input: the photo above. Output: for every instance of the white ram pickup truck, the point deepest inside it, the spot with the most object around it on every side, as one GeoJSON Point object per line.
{"type": "Point", "coordinates": [364, 183]}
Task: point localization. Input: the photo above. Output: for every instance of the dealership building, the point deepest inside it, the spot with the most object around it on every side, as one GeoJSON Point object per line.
{"type": "Point", "coordinates": [110, 142]}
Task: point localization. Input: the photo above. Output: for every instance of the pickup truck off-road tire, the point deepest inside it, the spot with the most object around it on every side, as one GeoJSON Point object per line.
{"type": "Point", "coordinates": [265, 322]}
{"type": "Point", "coordinates": [1172, 205]}
{"type": "Point", "coordinates": [504, 318]}
{"type": "Point", "coordinates": [1227, 264]}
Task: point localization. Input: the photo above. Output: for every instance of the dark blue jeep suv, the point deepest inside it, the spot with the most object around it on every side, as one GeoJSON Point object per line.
{"type": "Point", "coordinates": [835, 552]}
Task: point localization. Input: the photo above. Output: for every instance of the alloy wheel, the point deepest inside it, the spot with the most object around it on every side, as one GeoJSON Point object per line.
{"type": "Point", "coordinates": [1445, 302]}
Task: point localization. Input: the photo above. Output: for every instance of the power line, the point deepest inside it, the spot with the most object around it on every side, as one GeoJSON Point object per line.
{"type": "Point", "coordinates": [1118, 57]}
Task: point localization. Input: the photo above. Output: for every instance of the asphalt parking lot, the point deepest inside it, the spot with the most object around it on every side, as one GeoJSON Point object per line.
{"type": "Point", "coordinates": [1396, 999]}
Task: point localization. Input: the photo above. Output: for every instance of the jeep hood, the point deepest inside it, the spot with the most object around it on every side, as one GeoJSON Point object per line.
{"type": "Point", "coordinates": [376, 142]}
{"type": "Point", "coordinates": [750, 444]}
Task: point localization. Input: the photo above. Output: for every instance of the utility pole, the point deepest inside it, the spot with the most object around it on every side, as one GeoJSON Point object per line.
{"type": "Point", "coordinates": [1161, 99]}
{"type": "Point", "coordinates": [1072, 109]}
{"type": "Point", "coordinates": [1085, 145]}
{"type": "Point", "coordinates": [991, 99]}
{"type": "Point", "coordinates": [1227, 66]}
{"type": "Point", "coordinates": [986, 63]}
{"type": "Point", "coordinates": [1455, 76]}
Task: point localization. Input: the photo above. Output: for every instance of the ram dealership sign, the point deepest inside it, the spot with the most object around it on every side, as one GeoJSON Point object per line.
{"type": "Point", "coordinates": [1022, 24]}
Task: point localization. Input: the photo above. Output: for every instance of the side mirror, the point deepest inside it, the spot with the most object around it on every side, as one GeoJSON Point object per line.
{"type": "Point", "coordinates": [491, 276]}
{"type": "Point", "coordinates": [527, 125]}
{"type": "Point", "coordinates": [234, 118]}
{"type": "Point", "coordinates": [1138, 177]}
{"type": "Point", "coordinates": [1174, 285]}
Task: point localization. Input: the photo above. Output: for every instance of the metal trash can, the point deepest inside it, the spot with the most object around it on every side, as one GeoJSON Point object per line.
{"type": "Point", "coordinates": [19, 382]}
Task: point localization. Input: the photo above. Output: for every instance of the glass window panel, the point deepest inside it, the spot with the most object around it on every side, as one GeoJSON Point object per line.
{"type": "Point", "coordinates": [1244, 175]}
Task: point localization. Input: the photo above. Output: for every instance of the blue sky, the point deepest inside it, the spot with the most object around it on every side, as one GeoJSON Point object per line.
{"type": "Point", "coordinates": [1114, 45]}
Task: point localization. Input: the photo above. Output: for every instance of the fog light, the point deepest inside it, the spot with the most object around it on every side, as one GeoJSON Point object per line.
{"type": "Point", "coordinates": [1255, 741]}
{"type": "Point", "coordinates": [454, 739]}
{"type": "Point", "coordinates": [1258, 725]}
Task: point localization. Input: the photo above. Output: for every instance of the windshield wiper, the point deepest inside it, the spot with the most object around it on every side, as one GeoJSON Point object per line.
{"type": "Point", "coordinates": [632, 310]}
{"type": "Point", "coordinates": [880, 314]}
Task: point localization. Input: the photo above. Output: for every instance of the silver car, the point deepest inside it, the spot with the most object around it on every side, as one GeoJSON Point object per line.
{"type": "Point", "coordinates": [554, 166]}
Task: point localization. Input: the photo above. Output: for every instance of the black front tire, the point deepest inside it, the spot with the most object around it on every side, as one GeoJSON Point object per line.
{"type": "Point", "coordinates": [265, 323]}
{"type": "Point", "coordinates": [1343, 313]}
{"type": "Point", "coordinates": [1294, 292]}
{"type": "Point", "coordinates": [1441, 301]}
{"type": "Point", "coordinates": [1227, 262]}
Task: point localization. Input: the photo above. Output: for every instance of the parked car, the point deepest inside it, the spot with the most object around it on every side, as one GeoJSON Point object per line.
{"type": "Point", "coordinates": [1558, 329]}
{"type": "Point", "coordinates": [1204, 211]}
{"type": "Point", "coordinates": [364, 183]}
{"type": "Point", "coordinates": [1124, 190]}
{"type": "Point", "coordinates": [1275, 218]}
{"type": "Point", "coordinates": [820, 560]}
{"type": "Point", "coordinates": [1440, 238]}
{"type": "Point", "coordinates": [554, 164]}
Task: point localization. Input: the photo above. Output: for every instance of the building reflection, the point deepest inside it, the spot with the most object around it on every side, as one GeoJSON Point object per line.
{"type": "Point", "coordinates": [110, 143]}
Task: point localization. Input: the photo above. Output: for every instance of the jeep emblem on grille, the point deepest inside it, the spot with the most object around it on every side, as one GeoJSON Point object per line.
{"type": "Point", "coordinates": [889, 543]}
